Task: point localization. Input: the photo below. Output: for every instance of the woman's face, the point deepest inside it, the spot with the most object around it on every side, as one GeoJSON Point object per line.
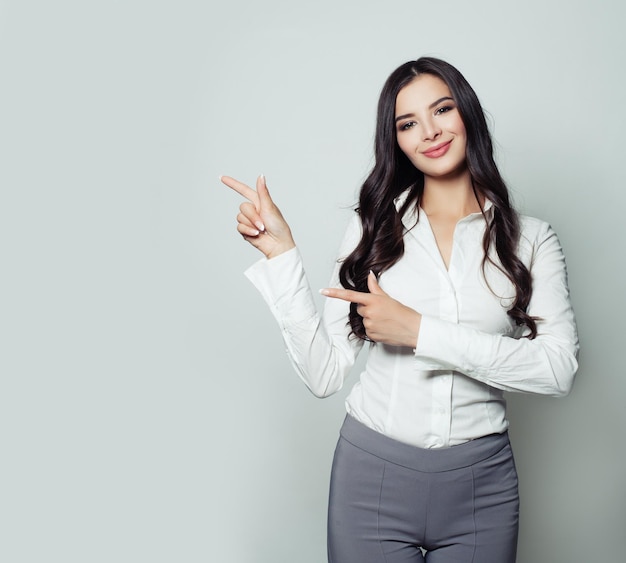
{"type": "Point", "coordinates": [429, 128]}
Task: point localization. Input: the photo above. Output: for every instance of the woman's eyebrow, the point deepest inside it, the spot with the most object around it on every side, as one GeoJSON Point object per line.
{"type": "Point", "coordinates": [431, 106]}
{"type": "Point", "coordinates": [404, 116]}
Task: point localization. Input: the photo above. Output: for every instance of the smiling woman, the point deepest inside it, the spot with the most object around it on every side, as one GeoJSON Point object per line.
{"type": "Point", "coordinates": [457, 299]}
{"type": "Point", "coordinates": [430, 131]}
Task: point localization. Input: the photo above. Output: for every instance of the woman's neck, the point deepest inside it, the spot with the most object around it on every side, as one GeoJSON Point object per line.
{"type": "Point", "coordinates": [452, 198]}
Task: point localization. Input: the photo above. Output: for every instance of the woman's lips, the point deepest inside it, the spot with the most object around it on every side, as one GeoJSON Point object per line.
{"type": "Point", "coordinates": [439, 150]}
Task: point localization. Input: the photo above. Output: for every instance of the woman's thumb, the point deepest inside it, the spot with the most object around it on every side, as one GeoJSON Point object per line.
{"type": "Point", "coordinates": [372, 284]}
{"type": "Point", "coordinates": [262, 191]}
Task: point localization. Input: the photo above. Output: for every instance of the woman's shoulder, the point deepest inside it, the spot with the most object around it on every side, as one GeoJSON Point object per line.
{"type": "Point", "coordinates": [532, 227]}
{"type": "Point", "coordinates": [351, 235]}
{"type": "Point", "coordinates": [535, 233]}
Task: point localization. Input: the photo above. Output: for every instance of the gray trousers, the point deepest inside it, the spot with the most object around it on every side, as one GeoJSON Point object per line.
{"type": "Point", "coordinates": [394, 503]}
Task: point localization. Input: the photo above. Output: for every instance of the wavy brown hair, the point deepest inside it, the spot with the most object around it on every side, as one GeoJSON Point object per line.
{"type": "Point", "coordinates": [382, 244]}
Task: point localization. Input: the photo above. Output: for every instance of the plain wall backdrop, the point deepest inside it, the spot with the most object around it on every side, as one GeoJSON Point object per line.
{"type": "Point", "coordinates": [148, 412]}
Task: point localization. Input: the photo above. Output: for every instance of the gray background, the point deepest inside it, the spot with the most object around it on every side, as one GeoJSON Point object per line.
{"type": "Point", "coordinates": [147, 409]}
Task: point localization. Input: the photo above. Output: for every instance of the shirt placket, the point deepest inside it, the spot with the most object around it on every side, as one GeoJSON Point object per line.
{"type": "Point", "coordinates": [448, 311]}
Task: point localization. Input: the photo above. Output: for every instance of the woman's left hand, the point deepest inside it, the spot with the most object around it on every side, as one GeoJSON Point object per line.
{"type": "Point", "coordinates": [385, 320]}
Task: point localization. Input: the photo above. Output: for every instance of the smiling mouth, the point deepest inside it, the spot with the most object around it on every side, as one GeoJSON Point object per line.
{"type": "Point", "coordinates": [439, 150]}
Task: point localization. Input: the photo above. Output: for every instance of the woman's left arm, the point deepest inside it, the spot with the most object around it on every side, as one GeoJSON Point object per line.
{"type": "Point", "coordinates": [545, 365]}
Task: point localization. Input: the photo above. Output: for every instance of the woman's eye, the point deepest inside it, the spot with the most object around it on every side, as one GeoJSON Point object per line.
{"type": "Point", "coordinates": [443, 109]}
{"type": "Point", "coordinates": [407, 125]}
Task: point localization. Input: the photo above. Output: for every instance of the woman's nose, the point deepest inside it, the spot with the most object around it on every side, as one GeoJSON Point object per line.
{"type": "Point", "coordinates": [430, 131]}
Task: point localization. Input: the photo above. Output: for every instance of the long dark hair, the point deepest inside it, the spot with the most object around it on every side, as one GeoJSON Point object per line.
{"type": "Point", "coordinates": [381, 244]}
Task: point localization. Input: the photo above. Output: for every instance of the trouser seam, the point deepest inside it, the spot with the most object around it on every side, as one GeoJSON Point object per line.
{"type": "Point", "coordinates": [474, 512]}
{"type": "Point", "coordinates": [380, 495]}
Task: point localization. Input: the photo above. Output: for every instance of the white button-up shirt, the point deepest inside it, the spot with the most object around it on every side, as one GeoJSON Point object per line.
{"type": "Point", "coordinates": [449, 389]}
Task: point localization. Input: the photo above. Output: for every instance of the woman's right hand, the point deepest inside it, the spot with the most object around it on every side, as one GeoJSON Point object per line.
{"type": "Point", "coordinates": [260, 222]}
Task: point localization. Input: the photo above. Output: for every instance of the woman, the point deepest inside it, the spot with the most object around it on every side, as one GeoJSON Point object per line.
{"type": "Point", "coordinates": [458, 299]}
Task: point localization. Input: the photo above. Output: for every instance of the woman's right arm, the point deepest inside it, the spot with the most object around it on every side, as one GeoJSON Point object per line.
{"type": "Point", "coordinates": [319, 347]}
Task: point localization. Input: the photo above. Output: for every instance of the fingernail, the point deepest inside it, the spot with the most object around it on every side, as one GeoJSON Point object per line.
{"type": "Point", "coordinates": [324, 292]}
{"type": "Point", "coordinates": [260, 226]}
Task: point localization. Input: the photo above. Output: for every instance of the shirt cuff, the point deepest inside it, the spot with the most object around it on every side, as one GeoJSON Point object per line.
{"type": "Point", "coordinates": [284, 287]}
{"type": "Point", "coordinates": [442, 345]}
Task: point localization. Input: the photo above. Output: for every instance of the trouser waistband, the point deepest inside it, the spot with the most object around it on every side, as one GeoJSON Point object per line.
{"type": "Point", "coordinates": [421, 459]}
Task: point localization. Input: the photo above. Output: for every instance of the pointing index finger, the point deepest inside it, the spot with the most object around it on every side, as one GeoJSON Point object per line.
{"type": "Point", "coordinates": [359, 297]}
{"type": "Point", "coordinates": [241, 189]}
